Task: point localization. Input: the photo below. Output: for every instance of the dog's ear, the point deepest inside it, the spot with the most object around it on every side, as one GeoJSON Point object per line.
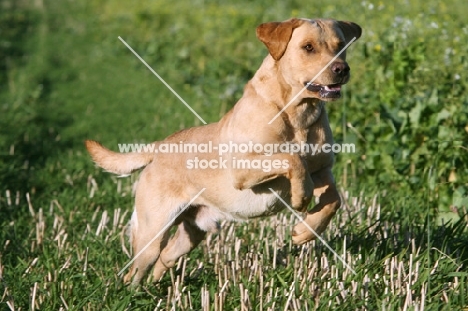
{"type": "Point", "coordinates": [276, 35]}
{"type": "Point", "coordinates": [350, 30]}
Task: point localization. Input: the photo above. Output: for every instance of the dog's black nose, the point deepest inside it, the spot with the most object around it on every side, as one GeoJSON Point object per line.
{"type": "Point", "coordinates": [340, 68]}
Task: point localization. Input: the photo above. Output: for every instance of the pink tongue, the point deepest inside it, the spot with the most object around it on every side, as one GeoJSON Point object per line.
{"type": "Point", "coordinates": [335, 87]}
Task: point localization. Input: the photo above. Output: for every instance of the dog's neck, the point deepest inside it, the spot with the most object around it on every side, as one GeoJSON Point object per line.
{"type": "Point", "coordinates": [307, 112]}
{"type": "Point", "coordinates": [302, 113]}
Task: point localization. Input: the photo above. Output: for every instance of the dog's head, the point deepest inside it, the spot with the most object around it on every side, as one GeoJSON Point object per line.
{"type": "Point", "coordinates": [305, 51]}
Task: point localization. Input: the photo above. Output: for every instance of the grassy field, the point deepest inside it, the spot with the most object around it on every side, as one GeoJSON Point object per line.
{"type": "Point", "coordinates": [65, 77]}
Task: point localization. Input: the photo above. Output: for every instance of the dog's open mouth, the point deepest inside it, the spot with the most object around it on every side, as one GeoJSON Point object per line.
{"type": "Point", "coordinates": [325, 91]}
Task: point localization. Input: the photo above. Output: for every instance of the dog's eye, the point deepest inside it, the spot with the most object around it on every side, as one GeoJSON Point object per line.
{"type": "Point", "coordinates": [308, 47]}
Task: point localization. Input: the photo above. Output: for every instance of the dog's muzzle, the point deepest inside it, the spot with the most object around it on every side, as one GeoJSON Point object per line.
{"type": "Point", "coordinates": [339, 73]}
{"type": "Point", "coordinates": [325, 91]}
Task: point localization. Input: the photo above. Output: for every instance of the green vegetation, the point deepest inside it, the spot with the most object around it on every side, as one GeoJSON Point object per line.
{"type": "Point", "coordinates": [65, 77]}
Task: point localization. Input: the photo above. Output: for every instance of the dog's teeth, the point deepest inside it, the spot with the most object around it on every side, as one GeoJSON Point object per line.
{"type": "Point", "coordinates": [332, 88]}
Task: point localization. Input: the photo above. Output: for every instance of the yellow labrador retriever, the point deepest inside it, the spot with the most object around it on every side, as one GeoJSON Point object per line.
{"type": "Point", "coordinates": [203, 186]}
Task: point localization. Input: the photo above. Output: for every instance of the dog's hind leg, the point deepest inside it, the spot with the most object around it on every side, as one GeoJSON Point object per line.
{"type": "Point", "coordinates": [186, 238]}
{"type": "Point", "coordinates": [147, 236]}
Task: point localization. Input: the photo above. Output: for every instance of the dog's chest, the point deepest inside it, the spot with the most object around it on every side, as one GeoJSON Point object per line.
{"type": "Point", "coordinates": [311, 128]}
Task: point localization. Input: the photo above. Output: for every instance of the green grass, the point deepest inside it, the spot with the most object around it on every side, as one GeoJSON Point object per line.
{"type": "Point", "coordinates": [65, 77]}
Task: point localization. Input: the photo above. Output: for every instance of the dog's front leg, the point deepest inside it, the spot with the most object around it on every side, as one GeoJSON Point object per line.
{"type": "Point", "coordinates": [319, 217]}
{"type": "Point", "coordinates": [289, 166]}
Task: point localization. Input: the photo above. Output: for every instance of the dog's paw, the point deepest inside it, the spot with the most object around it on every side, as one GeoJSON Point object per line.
{"type": "Point", "coordinates": [302, 232]}
{"type": "Point", "coordinates": [129, 280]}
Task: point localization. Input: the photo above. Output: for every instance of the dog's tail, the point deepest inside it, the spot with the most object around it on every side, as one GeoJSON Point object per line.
{"type": "Point", "coordinates": [115, 162]}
